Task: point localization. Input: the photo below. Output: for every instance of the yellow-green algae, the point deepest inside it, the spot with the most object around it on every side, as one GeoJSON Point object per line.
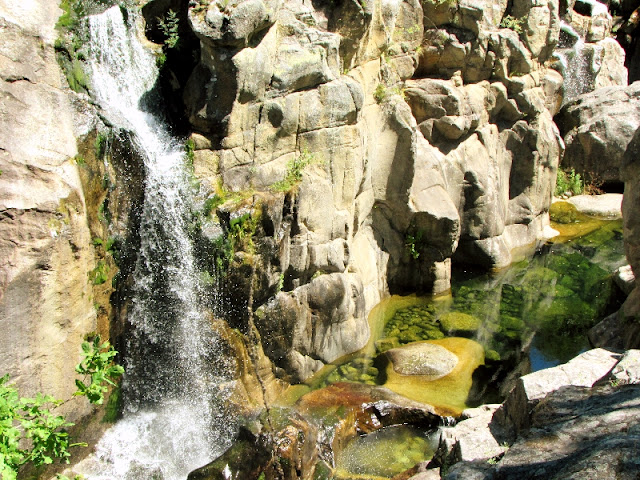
{"type": "Point", "coordinates": [448, 395]}
{"type": "Point", "coordinates": [383, 454]}
{"type": "Point", "coordinates": [558, 295]}
{"type": "Point", "coordinates": [572, 224]}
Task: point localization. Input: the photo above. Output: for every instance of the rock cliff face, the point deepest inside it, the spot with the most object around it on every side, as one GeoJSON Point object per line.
{"type": "Point", "coordinates": [374, 145]}
{"type": "Point", "coordinates": [428, 133]}
{"type": "Point", "coordinates": [46, 304]}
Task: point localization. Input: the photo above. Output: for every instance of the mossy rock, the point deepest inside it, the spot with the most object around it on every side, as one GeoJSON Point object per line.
{"type": "Point", "coordinates": [459, 323]}
{"type": "Point", "coordinates": [491, 355]}
{"type": "Point", "coordinates": [567, 316]}
{"type": "Point", "coordinates": [388, 343]}
{"type": "Point", "coordinates": [432, 333]}
{"type": "Point", "coordinates": [410, 334]}
{"type": "Point", "coordinates": [563, 212]}
{"type": "Point", "coordinates": [508, 322]}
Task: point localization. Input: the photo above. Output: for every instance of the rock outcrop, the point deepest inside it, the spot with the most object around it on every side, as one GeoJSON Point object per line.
{"type": "Point", "coordinates": [583, 422]}
{"type": "Point", "coordinates": [420, 134]}
{"type": "Point", "coordinates": [593, 130]}
{"type": "Point", "coordinates": [46, 252]}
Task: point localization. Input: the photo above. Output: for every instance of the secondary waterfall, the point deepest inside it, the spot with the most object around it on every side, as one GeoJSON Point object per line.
{"type": "Point", "coordinates": [174, 416]}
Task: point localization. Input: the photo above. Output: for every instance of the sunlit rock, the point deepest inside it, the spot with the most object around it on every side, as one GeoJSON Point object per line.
{"type": "Point", "coordinates": [433, 361]}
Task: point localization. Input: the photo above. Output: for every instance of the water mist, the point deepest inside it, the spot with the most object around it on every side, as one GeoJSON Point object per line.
{"type": "Point", "coordinates": [173, 419]}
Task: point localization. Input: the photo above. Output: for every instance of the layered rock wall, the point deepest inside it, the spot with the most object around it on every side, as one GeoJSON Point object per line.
{"type": "Point", "coordinates": [427, 134]}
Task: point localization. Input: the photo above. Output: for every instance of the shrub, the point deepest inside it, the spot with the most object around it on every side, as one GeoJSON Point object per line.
{"type": "Point", "coordinates": [569, 181]}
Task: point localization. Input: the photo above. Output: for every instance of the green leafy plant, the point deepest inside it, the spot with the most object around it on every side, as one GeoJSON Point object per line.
{"type": "Point", "coordinates": [412, 243]}
{"type": "Point", "coordinates": [569, 181]}
{"type": "Point", "coordinates": [98, 369]}
{"type": "Point", "coordinates": [169, 26]}
{"type": "Point", "coordinates": [512, 23]}
{"type": "Point", "coordinates": [241, 232]}
{"type": "Point", "coordinates": [293, 176]}
{"type": "Point", "coordinates": [31, 433]}
{"type": "Point", "coordinates": [100, 274]}
{"type": "Point", "coordinates": [72, 11]}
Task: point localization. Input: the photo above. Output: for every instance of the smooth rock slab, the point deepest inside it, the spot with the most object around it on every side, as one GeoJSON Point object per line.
{"type": "Point", "coordinates": [607, 205]}
{"type": "Point", "coordinates": [471, 439]}
{"type": "Point", "coordinates": [627, 371]}
{"type": "Point", "coordinates": [422, 359]}
{"type": "Point", "coordinates": [582, 371]}
{"type": "Point", "coordinates": [579, 433]}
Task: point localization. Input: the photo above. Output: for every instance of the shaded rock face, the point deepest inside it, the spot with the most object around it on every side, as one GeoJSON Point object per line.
{"type": "Point", "coordinates": [594, 129]}
{"type": "Point", "coordinates": [427, 134]}
{"type": "Point", "coordinates": [46, 304]}
{"type": "Point", "coordinates": [625, 323]}
{"type": "Point", "coordinates": [581, 422]}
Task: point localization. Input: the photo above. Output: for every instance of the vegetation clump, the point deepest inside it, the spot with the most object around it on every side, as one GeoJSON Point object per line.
{"type": "Point", "coordinates": [30, 432]}
{"type": "Point", "coordinates": [382, 93]}
{"type": "Point", "coordinates": [293, 175]}
{"type": "Point", "coordinates": [569, 182]}
{"type": "Point", "coordinates": [512, 23]}
{"type": "Point", "coordinates": [71, 44]}
{"type": "Point", "coordinates": [413, 243]}
{"type": "Point", "coordinates": [169, 26]}
{"type": "Point", "coordinates": [100, 274]}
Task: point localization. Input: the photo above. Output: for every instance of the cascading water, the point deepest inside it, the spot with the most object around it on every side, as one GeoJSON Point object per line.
{"type": "Point", "coordinates": [174, 416]}
{"type": "Point", "coordinates": [577, 61]}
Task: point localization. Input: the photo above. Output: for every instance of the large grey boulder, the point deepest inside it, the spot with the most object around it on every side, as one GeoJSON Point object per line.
{"type": "Point", "coordinates": [233, 24]}
{"type": "Point", "coordinates": [315, 324]}
{"type": "Point", "coordinates": [433, 361]}
{"type": "Point", "coordinates": [579, 427]}
{"type": "Point", "coordinates": [595, 132]}
{"type": "Point", "coordinates": [579, 432]}
{"type": "Point", "coordinates": [582, 371]}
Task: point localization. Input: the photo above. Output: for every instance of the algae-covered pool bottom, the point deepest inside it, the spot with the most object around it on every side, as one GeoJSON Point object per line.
{"type": "Point", "coordinates": [532, 315]}
{"type": "Point", "coordinates": [384, 453]}
{"type": "Point", "coordinates": [448, 395]}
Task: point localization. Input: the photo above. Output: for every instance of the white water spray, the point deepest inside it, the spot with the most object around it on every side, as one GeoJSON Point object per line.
{"type": "Point", "coordinates": [174, 420]}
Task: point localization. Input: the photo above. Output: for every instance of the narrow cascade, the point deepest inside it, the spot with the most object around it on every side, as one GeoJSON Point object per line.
{"type": "Point", "coordinates": [578, 61]}
{"type": "Point", "coordinates": [174, 418]}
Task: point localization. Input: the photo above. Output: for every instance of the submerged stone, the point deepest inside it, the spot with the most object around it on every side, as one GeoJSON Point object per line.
{"type": "Point", "coordinates": [563, 212]}
{"type": "Point", "coordinates": [448, 394]}
{"type": "Point", "coordinates": [459, 323]}
{"type": "Point", "coordinates": [425, 359]}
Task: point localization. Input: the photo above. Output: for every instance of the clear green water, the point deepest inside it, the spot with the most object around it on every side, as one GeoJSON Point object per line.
{"type": "Point", "coordinates": [538, 309]}
{"type": "Point", "coordinates": [384, 453]}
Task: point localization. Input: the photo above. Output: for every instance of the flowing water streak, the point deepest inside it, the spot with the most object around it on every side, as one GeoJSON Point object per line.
{"type": "Point", "coordinates": [580, 61]}
{"type": "Point", "coordinates": [173, 422]}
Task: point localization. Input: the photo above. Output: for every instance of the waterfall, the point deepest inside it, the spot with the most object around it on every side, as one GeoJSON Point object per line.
{"type": "Point", "coordinates": [174, 417]}
{"type": "Point", "coordinates": [579, 63]}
